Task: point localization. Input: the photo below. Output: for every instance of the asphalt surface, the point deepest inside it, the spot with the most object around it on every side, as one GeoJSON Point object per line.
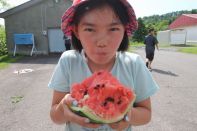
{"type": "Point", "coordinates": [25, 98]}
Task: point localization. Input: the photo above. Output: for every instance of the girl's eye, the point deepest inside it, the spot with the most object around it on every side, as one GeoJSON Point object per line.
{"type": "Point", "coordinates": [114, 29]}
{"type": "Point", "coordinates": [88, 29]}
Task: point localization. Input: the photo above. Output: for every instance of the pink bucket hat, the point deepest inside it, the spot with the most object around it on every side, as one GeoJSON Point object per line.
{"type": "Point", "coordinates": [67, 18]}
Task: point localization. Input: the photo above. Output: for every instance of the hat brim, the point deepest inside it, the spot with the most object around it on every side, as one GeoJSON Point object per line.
{"type": "Point", "coordinates": [67, 19]}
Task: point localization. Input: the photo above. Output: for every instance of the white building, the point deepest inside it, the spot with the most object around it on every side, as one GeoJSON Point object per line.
{"type": "Point", "coordinates": [182, 31]}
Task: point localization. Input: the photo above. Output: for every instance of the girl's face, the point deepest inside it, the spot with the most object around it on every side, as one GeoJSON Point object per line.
{"type": "Point", "coordinates": [100, 32]}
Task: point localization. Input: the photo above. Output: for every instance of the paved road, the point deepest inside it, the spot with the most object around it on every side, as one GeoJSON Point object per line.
{"type": "Point", "coordinates": [32, 112]}
{"type": "Point", "coordinates": [174, 106]}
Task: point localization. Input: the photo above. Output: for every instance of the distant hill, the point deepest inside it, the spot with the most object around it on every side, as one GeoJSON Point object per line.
{"type": "Point", "coordinates": [161, 22]}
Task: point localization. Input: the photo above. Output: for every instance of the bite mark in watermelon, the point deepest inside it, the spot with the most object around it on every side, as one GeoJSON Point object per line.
{"type": "Point", "coordinates": [102, 98]}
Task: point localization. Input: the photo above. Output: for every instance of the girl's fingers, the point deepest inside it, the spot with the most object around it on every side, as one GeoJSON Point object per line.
{"type": "Point", "coordinates": [68, 100]}
{"type": "Point", "coordinates": [83, 121]}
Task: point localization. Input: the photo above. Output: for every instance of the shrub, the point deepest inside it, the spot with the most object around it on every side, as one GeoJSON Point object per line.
{"type": "Point", "coordinates": [3, 48]}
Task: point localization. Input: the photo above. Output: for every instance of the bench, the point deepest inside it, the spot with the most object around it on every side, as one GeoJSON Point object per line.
{"type": "Point", "coordinates": [24, 39]}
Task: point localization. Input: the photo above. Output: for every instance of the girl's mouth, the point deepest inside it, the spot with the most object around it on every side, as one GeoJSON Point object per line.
{"type": "Point", "coordinates": [101, 53]}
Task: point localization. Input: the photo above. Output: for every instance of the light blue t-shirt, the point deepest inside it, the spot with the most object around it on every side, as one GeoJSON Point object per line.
{"type": "Point", "coordinates": [129, 69]}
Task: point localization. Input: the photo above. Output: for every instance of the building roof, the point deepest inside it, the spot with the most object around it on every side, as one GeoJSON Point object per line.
{"type": "Point", "coordinates": [19, 8]}
{"type": "Point", "coordinates": [184, 20]}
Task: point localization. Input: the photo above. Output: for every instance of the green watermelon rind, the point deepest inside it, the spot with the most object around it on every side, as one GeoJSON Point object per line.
{"type": "Point", "coordinates": [89, 113]}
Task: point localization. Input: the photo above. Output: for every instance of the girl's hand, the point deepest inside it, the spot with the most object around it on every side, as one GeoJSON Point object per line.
{"type": "Point", "coordinates": [123, 124]}
{"type": "Point", "coordinates": [72, 117]}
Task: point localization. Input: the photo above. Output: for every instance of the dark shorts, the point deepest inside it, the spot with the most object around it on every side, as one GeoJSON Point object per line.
{"type": "Point", "coordinates": [150, 52]}
{"type": "Point", "coordinates": [150, 56]}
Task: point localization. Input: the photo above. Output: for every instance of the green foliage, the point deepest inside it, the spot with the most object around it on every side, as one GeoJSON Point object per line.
{"type": "Point", "coordinates": [3, 48]}
{"type": "Point", "coordinates": [16, 99]}
{"type": "Point", "coordinates": [5, 60]}
{"type": "Point", "coordinates": [192, 49]}
{"type": "Point", "coordinates": [163, 25]}
{"type": "Point", "coordinates": [161, 22]}
{"type": "Point", "coordinates": [135, 45]}
{"type": "Point", "coordinates": [4, 4]}
{"type": "Point", "coordinates": [194, 11]}
{"type": "Point", "coordinates": [157, 22]}
{"type": "Point", "coordinates": [141, 32]}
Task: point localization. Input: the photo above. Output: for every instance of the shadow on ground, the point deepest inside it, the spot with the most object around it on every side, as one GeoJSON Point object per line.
{"type": "Point", "coordinates": [40, 59]}
{"type": "Point", "coordinates": [164, 72]}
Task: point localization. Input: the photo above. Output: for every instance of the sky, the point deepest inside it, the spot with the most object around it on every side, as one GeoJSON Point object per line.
{"type": "Point", "coordinates": [158, 7]}
{"type": "Point", "coordinates": [147, 7]}
{"type": "Point", "coordinates": [16, 2]}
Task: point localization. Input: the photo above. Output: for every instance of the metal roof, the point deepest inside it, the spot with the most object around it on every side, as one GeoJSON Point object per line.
{"type": "Point", "coordinates": [184, 20]}
{"type": "Point", "coordinates": [19, 8]}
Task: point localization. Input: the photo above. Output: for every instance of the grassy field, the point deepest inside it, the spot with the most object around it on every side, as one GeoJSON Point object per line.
{"type": "Point", "coordinates": [6, 60]}
{"type": "Point", "coordinates": [192, 49]}
{"type": "Point", "coordinates": [134, 45]}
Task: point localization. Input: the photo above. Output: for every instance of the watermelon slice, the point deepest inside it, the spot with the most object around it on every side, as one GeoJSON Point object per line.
{"type": "Point", "coordinates": [102, 98]}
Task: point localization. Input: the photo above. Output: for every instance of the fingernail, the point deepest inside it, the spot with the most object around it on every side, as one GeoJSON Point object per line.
{"type": "Point", "coordinates": [74, 103]}
{"type": "Point", "coordinates": [87, 121]}
{"type": "Point", "coordinates": [126, 118]}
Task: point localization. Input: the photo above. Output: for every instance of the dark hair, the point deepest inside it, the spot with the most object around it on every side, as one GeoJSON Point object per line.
{"type": "Point", "coordinates": [117, 6]}
{"type": "Point", "coordinates": [150, 30]}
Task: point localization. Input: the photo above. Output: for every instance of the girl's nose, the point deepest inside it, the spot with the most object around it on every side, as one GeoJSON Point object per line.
{"type": "Point", "coordinates": [102, 42]}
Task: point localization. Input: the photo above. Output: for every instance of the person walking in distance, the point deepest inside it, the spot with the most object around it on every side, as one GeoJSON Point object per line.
{"type": "Point", "coordinates": [150, 42]}
{"type": "Point", "coordinates": [67, 42]}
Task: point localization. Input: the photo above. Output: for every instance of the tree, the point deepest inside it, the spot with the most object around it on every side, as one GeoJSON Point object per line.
{"type": "Point", "coordinates": [141, 32]}
{"type": "Point", "coordinates": [3, 48]}
{"type": "Point", "coordinates": [194, 11]}
{"type": "Point", "coordinates": [4, 5]}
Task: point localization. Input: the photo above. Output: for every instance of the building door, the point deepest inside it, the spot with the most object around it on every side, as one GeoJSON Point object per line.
{"type": "Point", "coordinates": [178, 36]}
{"type": "Point", "coordinates": [56, 42]}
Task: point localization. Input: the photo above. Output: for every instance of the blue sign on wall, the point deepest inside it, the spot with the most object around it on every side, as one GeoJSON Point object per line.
{"type": "Point", "coordinates": [23, 39]}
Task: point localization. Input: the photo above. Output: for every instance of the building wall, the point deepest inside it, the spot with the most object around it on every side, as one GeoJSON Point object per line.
{"type": "Point", "coordinates": [183, 35]}
{"type": "Point", "coordinates": [178, 36]}
{"type": "Point", "coordinates": [163, 37]}
{"type": "Point", "coordinates": [37, 20]}
{"type": "Point", "coordinates": [191, 34]}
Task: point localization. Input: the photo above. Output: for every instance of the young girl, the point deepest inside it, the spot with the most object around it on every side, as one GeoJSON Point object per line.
{"type": "Point", "coordinates": [99, 30]}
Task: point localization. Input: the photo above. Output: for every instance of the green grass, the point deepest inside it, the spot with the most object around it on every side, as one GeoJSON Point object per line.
{"type": "Point", "coordinates": [16, 99]}
{"type": "Point", "coordinates": [191, 50]}
{"type": "Point", "coordinates": [134, 45]}
{"type": "Point", "coordinates": [7, 59]}
{"type": "Point", "coordinates": [138, 45]}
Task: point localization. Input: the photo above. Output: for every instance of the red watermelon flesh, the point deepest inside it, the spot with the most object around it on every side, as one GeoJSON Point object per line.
{"type": "Point", "coordinates": [102, 98]}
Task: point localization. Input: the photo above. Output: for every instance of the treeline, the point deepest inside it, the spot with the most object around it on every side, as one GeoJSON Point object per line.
{"type": "Point", "coordinates": [158, 22]}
